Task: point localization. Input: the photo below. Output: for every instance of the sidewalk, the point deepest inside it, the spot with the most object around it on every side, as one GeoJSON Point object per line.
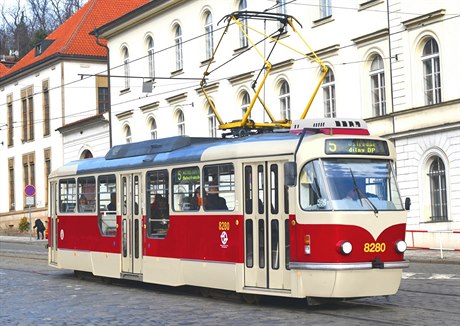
{"type": "Point", "coordinates": [413, 255]}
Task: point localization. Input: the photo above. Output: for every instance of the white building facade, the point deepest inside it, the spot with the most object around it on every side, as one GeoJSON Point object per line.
{"type": "Point", "coordinates": [392, 63]}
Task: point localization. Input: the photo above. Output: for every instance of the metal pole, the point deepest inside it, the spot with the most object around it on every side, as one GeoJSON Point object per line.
{"type": "Point", "coordinates": [108, 84]}
{"type": "Point", "coordinates": [30, 224]}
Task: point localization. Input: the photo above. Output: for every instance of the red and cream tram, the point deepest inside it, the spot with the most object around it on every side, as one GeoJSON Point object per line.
{"type": "Point", "coordinates": [314, 212]}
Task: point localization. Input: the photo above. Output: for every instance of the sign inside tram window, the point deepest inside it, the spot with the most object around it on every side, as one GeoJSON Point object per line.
{"type": "Point", "coordinates": [188, 174]}
{"type": "Point", "coordinates": [357, 146]}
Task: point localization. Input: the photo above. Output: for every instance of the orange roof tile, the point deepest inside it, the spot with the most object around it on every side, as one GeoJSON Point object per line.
{"type": "Point", "coordinates": [3, 70]}
{"type": "Point", "coordinates": [72, 38]}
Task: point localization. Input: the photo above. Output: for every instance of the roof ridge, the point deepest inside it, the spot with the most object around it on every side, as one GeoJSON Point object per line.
{"type": "Point", "coordinates": [86, 14]}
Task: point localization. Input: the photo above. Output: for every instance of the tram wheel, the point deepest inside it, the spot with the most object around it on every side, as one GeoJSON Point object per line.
{"type": "Point", "coordinates": [251, 298]}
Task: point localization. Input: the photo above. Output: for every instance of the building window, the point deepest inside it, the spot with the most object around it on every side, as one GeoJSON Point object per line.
{"type": "Point", "coordinates": [209, 36]}
{"type": "Point", "coordinates": [212, 123]}
{"type": "Point", "coordinates": [377, 75]}
{"type": "Point", "coordinates": [178, 48]}
{"type": "Point", "coordinates": [245, 101]}
{"type": "Point", "coordinates": [27, 102]}
{"type": "Point", "coordinates": [325, 8]}
{"type": "Point", "coordinates": [150, 56]}
{"type": "Point", "coordinates": [438, 191]}
{"type": "Point", "coordinates": [127, 133]}
{"type": "Point", "coordinates": [180, 123]}
{"type": "Point", "coordinates": [47, 170]}
{"type": "Point", "coordinates": [329, 95]}
{"type": "Point", "coordinates": [285, 101]}
{"type": "Point", "coordinates": [11, 182]}
{"type": "Point", "coordinates": [431, 72]}
{"type": "Point", "coordinates": [126, 66]}
{"type": "Point", "coordinates": [103, 99]}
{"type": "Point", "coordinates": [46, 108]}
{"type": "Point", "coordinates": [244, 21]}
{"type": "Point", "coordinates": [28, 164]}
{"type": "Point", "coordinates": [102, 88]}
{"type": "Point", "coordinates": [10, 120]}
{"type": "Point", "coordinates": [153, 129]}
{"type": "Point", "coordinates": [281, 9]}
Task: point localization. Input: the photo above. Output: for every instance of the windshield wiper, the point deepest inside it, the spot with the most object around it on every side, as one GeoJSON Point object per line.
{"type": "Point", "coordinates": [362, 194]}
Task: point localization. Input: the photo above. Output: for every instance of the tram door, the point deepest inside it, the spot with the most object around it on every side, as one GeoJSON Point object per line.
{"type": "Point", "coordinates": [52, 228]}
{"type": "Point", "coordinates": [265, 218]}
{"type": "Point", "coordinates": [131, 224]}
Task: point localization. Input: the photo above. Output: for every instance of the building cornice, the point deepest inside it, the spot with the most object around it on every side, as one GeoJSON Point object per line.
{"type": "Point", "coordinates": [371, 37]}
{"type": "Point", "coordinates": [48, 61]}
{"type": "Point", "coordinates": [423, 19]}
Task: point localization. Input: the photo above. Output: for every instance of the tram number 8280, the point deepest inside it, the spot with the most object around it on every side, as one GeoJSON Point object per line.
{"type": "Point", "coordinates": [224, 226]}
{"type": "Point", "coordinates": [374, 247]}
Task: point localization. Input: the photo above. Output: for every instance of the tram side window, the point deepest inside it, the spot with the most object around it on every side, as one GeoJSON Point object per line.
{"type": "Point", "coordinates": [157, 195]}
{"type": "Point", "coordinates": [107, 206]}
{"type": "Point", "coordinates": [86, 195]}
{"type": "Point", "coordinates": [186, 189]}
{"type": "Point", "coordinates": [312, 188]}
{"type": "Point", "coordinates": [219, 185]}
{"type": "Point", "coordinates": [67, 195]}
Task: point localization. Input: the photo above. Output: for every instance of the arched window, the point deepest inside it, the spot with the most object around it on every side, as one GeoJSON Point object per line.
{"type": "Point", "coordinates": [212, 123]}
{"type": "Point", "coordinates": [208, 29]}
{"type": "Point", "coordinates": [180, 123]}
{"type": "Point", "coordinates": [178, 47]}
{"type": "Point", "coordinates": [243, 39]}
{"type": "Point", "coordinates": [128, 138]}
{"type": "Point", "coordinates": [377, 75]}
{"type": "Point", "coordinates": [431, 72]}
{"type": "Point", "coordinates": [329, 94]}
{"type": "Point", "coordinates": [153, 129]}
{"type": "Point", "coordinates": [438, 191]}
{"type": "Point", "coordinates": [150, 56]}
{"type": "Point", "coordinates": [285, 101]}
{"type": "Point", "coordinates": [86, 154]}
{"type": "Point", "coordinates": [126, 66]}
{"type": "Point", "coordinates": [245, 101]}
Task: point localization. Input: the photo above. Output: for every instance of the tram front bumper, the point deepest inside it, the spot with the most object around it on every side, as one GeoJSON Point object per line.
{"type": "Point", "coordinates": [351, 280]}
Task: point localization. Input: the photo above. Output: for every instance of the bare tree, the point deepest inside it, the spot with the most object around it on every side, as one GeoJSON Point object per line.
{"type": "Point", "coordinates": [27, 22]}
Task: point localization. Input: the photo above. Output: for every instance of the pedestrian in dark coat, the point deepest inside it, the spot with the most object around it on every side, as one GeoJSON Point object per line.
{"type": "Point", "coordinates": [40, 228]}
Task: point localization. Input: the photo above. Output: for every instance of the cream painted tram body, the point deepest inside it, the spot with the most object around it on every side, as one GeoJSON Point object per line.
{"type": "Point", "coordinates": [284, 226]}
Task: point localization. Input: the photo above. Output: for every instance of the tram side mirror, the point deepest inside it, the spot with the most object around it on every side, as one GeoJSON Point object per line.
{"type": "Point", "coordinates": [290, 174]}
{"type": "Point", "coordinates": [407, 204]}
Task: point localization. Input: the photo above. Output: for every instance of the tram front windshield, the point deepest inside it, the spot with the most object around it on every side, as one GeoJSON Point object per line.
{"type": "Point", "coordinates": [349, 184]}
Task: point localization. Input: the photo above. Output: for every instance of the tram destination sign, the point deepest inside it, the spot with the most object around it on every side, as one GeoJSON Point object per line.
{"type": "Point", "coordinates": [357, 146]}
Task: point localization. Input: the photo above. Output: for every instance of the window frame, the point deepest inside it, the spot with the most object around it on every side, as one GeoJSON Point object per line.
{"type": "Point", "coordinates": [378, 92]}
{"type": "Point", "coordinates": [329, 97]}
{"type": "Point", "coordinates": [431, 63]}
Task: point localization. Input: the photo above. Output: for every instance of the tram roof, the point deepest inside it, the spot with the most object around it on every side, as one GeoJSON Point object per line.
{"type": "Point", "coordinates": [175, 150]}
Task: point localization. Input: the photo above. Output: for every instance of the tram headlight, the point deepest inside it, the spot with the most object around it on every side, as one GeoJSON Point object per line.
{"type": "Point", "coordinates": [401, 246]}
{"type": "Point", "coordinates": [345, 248]}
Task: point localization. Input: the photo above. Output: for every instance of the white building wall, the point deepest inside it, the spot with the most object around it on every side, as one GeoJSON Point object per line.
{"type": "Point", "coordinates": [70, 99]}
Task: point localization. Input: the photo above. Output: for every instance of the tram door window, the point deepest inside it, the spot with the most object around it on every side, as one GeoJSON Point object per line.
{"type": "Point", "coordinates": [267, 227]}
{"type": "Point", "coordinates": [186, 181]}
{"type": "Point", "coordinates": [52, 229]}
{"type": "Point", "coordinates": [131, 223]}
{"type": "Point", "coordinates": [107, 204]}
{"type": "Point", "coordinates": [67, 195]}
{"type": "Point", "coordinates": [157, 194]}
{"type": "Point", "coordinates": [219, 187]}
